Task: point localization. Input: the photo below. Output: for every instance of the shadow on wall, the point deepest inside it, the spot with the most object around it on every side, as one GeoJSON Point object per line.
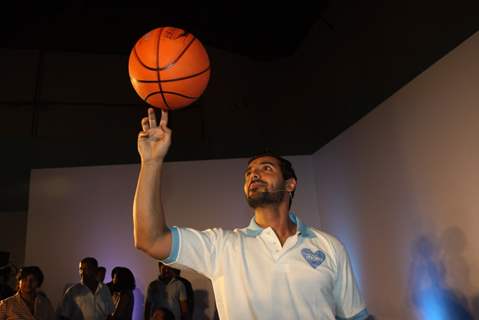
{"type": "Point", "coordinates": [431, 293]}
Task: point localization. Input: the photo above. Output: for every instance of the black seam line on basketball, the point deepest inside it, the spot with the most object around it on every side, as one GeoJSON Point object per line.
{"type": "Point", "coordinates": [171, 64]}
{"type": "Point", "coordinates": [174, 79]}
{"type": "Point", "coordinates": [141, 62]}
{"type": "Point", "coordinates": [169, 92]}
{"type": "Point", "coordinates": [158, 71]}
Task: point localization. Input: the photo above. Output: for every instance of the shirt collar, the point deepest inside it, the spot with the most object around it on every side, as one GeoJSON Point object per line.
{"type": "Point", "coordinates": [169, 282]}
{"type": "Point", "coordinates": [253, 229]}
{"type": "Point", "coordinates": [98, 288]}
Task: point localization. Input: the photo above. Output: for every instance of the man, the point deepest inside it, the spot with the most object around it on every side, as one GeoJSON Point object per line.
{"type": "Point", "coordinates": [88, 299]}
{"type": "Point", "coordinates": [167, 292]}
{"type": "Point", "coordinates": [276, 268]}
{"type": "Point", "coordinates": [29, 303]}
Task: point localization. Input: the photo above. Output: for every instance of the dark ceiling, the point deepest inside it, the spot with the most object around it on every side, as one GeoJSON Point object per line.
{"type": "Point", "coordinates": [113, 26]}
{"type": "Point", "coordinates": [372, 49]}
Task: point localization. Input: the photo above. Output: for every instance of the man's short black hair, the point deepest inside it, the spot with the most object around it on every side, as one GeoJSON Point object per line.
{"type": "Point", "coordinates": [30, 270]}
{"type": "Point", "coordinates": [286, 167]}
{"type": "Point", "coordinates": [90, 261]}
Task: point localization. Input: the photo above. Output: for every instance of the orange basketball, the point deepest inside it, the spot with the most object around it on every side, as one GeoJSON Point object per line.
{"type": "Point", "coordinates": [169, 68]}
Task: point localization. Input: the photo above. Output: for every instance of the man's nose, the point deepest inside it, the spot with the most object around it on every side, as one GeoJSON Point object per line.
{"type": "Point", "coordinates": [254, 176]}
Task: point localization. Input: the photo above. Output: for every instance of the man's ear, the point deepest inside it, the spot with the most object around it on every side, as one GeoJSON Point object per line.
{"type": "Point", "coordinates": [290, 184]}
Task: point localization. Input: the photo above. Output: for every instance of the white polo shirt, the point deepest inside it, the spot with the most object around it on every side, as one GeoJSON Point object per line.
{"type": "Point", "coordinates": [254, 277]}
{"type": "Point", "coordinates": [80, 303]}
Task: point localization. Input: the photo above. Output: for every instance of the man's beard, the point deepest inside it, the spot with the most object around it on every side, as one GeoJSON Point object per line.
{"type": "Point", "coordinates": [265, 199]}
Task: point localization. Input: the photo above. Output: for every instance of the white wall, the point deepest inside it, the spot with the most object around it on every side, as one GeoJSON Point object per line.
{"type": "Point", "coordinates": [403, 177]}
{"type": "Point", "coordinates": [400, 188]}
{"type": "Point", "coordinates": [86, 211]}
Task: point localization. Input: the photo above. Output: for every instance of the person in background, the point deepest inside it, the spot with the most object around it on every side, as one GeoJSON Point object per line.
{"type": "Point", "coordinates": [167, 292]}
{"type": "Point", "coordinates": [123, 284]}
{"type": "Point", "coordinates": [162, 314]}
{"type": "Point", "coordinates": [88, 299]}
{"type": "Point", "coordinates": [110, 284]}
{"type": "Point", "coordinates": [100, 274]}
{"type": "Point", "coordinates": [28, 303]}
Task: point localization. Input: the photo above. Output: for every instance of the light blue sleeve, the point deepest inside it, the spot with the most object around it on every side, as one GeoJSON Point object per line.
{"type": "Point", "coordinates": [175, 246]}
{"type": "Point", "coordinates": [197, 250]}
{"type": "Point", "coordinates": [349, 301]}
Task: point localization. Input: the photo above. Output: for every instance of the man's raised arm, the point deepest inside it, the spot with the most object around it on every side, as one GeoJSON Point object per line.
{"type": "Point", "coordinates": [151, 233]}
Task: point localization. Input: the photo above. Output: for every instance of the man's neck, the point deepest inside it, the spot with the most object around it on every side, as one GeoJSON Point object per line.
{"type": "Point", "coordinates": [91, 284]}
{"type": "Point", "coordinates": [28, 296]}
{"type": "Point", "coordinates": [165, 280]}
{"type": "Point", "coordinates": [278, 219]}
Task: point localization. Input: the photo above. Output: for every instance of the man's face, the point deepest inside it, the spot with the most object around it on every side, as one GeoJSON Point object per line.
{"type": "Point", "coordinates": [86, 271]}
{"type": "Point", "coordinates": [166, 272]}
{"type": "Point", "coordinates": [100, 275]}
{"type": "Point", "coordinates": [28, 284]}
{"type": "Point", "coordinates": [263, 182]}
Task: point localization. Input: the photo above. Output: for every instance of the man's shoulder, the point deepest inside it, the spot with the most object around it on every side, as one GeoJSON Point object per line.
{"type": "Point", "coordinates": [10, 300]}
{"type": "Point", "coordinates": [212, 233]}
{"type": "Point", "coordinates": [75, 288]}
{"type": "Point", "coordinates": [185, 281]}
{"type": "Point", "coordinates": [321, 233]}
{"type": "Point", "coordinates": [324, 239]}
{"type": "Point", "coordinates": [154, 283]}
{"type": "Point", "coordinates": [103, 288]}
{"type": "Point", "coordinates": [175, 282]}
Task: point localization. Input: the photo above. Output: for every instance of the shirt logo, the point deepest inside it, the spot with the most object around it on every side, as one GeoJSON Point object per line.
{"type": "Point", "coordinates": [313, 258]}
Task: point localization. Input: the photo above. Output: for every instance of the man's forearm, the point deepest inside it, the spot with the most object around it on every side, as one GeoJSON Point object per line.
{"type": "Point", "coordinates": [150, 230]}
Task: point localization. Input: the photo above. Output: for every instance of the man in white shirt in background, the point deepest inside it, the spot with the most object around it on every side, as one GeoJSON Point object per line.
{"type": "Point", "coordinates": [88, 299]}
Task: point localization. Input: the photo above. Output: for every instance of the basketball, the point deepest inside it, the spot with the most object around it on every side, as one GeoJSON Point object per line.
{"type": "Point", "coordinates": [169, 68]}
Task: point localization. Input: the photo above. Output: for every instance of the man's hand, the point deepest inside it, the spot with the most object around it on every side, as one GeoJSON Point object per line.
{"type": "Point", "coordinates": [154, 141]}
{"type": "Point", "coordinates": [151, 234]}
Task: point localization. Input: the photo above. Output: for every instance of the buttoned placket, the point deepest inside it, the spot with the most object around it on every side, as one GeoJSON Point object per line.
{"type": "Point", "coordinates": [274, 245]}
{"type": "Point", "coordinates": [95, 297]}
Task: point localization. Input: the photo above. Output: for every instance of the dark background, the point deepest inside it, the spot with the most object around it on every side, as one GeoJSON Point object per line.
{"type": "Point", "coordinates": [368, 50]}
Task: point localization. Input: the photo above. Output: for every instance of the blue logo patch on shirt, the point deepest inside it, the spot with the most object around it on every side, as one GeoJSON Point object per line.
{"type": "Point", "coordinates": [314, 258]}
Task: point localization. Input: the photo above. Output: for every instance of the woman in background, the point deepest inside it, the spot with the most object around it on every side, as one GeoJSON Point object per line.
{"type": "Point", "coordinates": [123, 284]}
